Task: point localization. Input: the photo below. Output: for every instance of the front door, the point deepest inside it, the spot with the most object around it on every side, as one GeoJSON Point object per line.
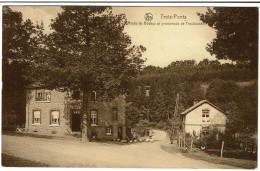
{"type": "Point", "coordinates": [120, 133]}
{"type": "Point", "coordinates": [75, 120]}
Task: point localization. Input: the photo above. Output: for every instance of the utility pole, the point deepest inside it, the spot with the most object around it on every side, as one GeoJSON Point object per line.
{"type": "Point", "coordinates": [175, 115]}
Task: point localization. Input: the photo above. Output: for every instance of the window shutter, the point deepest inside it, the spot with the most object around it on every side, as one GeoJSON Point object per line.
{"type": "Point", "coordinates": [89, 118]}
{"type": "Point", "coordinates": [32, 117]}
{"type": "Point", "coordinates": [50, 117]}
{"type": "Point", "coordinates": [97, 116]}
{"type": "Point", "coordinates": [59, 118]}
{"type": "Point", "coordinates": [36, 95]}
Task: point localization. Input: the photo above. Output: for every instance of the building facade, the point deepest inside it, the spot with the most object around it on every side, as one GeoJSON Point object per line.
{"type": "Point", "coordinates": [204, 117]}
{"type": "Point", "coordinates": [58, 112]}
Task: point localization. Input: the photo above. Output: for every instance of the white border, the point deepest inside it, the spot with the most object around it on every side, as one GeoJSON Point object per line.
{"type": "Point", "coordinates": [185, 3]}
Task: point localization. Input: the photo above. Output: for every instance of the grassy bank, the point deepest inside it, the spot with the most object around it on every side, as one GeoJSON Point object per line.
{"type": "Point", "coordinates": [11, 161]}
{"type": "Point", "coordinates": [200, 155]}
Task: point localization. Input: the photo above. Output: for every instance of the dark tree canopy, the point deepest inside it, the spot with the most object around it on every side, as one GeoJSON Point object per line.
{"type": "Point", "coordinates": [18, 45]}
{"type": "Point", "coordinates": [89, 50]}
{"type": "Point", "coordinates": [237, 33]}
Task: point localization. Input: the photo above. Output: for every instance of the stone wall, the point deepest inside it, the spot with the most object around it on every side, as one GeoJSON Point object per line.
{"type": "Point", "coordinates": [45, 107]}
{"type": "Point", "coordinates": [62, 102]}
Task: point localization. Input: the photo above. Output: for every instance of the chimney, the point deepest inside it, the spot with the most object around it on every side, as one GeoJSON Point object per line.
{"type": "Point", "coordinates": [195, 101]}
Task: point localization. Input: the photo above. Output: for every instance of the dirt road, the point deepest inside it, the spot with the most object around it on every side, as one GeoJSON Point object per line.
{"type": "Point", "coordinates": [72, 153]}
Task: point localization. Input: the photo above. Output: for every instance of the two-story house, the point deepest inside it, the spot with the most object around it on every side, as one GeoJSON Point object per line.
{"type": "Point", "coordinates": [204, 117]}
{"type": "Point", "coordinates": [58, 112]}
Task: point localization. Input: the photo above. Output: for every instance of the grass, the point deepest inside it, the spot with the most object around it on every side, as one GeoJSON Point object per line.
{"type": "Point", "coordinates": [200, 155]}
{"type": "Point", "coordinates": [11, 161]}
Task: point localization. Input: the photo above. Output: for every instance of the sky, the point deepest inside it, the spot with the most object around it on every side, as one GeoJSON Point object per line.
{"type": "Point", "coordinates": [183, 38]}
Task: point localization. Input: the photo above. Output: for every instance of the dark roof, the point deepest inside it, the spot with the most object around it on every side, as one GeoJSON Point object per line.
{"type": "Point", "coordinates": [199, 104]}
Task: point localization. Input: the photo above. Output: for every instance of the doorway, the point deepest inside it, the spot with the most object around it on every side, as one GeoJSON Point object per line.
{"type": "Point", "coordinates": [75, 120]}
{"type": "Point", "coordinates": [120, 133]}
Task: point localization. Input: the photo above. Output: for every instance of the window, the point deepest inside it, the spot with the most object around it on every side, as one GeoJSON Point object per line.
{"type": "Point", "coordinates": [93, 116]}
{"type": "Point", "coordinates": [114, 114]}
{"type": "Point", "coordinates": [205, 115]}
{"type": "Point", "coordinates": [75, 94]}
{"type": "Point", "coordinates": [147, 93]}
{"type": "Point", "coordinates": [43, 95]}
{"type": "Point", "coordinates": [108, 130]}
{"type": "Point", "coordinates": [205, 130]}
{"type": "Point", "coordinates": [94, 96]}
{"type": "Point", "coordinates": [36, 117]}
{"type": "Point", "coordinates": [55, 117]}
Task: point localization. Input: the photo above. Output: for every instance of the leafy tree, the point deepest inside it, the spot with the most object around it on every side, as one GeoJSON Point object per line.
{"type": "Point", "coordinates": [18, 45]}
{"type": "Point", "coordinates": [237, 33]}
{"type": "Point", "coordinates": [90, 51]}
{"type": "Point", "coordinates": [222, 92]}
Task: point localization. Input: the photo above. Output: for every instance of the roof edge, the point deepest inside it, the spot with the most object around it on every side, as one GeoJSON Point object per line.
{"type": "Point", "coordinates": [199, 104]}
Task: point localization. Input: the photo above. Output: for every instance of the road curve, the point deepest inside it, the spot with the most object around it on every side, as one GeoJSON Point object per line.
{"type": "Point", "coordinates": [73, 153]}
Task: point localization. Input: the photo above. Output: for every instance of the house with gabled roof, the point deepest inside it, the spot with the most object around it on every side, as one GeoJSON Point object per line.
{"type": "Point", "coordinates": [203, 117]}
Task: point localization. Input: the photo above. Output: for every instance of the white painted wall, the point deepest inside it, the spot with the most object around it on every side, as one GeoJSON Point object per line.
{"type": "Point", "coordinates": [194, 119]}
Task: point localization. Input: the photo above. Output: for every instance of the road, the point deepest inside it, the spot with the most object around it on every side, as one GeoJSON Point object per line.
{"type": "Point", "coordinates": [73, 153]}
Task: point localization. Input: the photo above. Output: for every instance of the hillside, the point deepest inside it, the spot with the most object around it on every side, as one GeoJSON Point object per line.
{"type": "Point", "coordinates": [231, 87]}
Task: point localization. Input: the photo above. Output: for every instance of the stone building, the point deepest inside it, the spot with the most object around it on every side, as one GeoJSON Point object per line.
{"type": "Point", "coordinates": [58, 112]}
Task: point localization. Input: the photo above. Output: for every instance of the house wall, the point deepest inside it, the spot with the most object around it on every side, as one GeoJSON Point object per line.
{"type": "Point", "coordinates": [57, 103]}
{"type": "Point", "coordinates": [61, 101]}
{"type": "Point", "coordinates": [105, 118]}
{"type": "Point", "coordinates": [194, 120]}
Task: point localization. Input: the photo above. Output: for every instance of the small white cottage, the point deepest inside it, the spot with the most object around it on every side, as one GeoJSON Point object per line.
{"type": "Point", "coordinates": [203, 117]}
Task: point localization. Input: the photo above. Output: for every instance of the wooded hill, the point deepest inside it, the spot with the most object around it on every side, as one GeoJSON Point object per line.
{"type": "Point", "coordinates": [232, 87]}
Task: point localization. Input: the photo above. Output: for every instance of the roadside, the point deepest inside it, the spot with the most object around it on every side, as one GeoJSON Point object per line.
{"type": "Point", "coordinates": [71, 153]}
{"type": "Point", "coordinates": [201, 155]}
{"type": "Point", "coordinates": [11, 161]}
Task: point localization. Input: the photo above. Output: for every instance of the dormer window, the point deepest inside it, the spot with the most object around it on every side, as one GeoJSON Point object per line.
{"type": "Point", "coordinates": [43, 95]}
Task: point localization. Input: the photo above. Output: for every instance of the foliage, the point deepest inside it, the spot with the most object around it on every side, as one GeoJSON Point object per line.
{"type": "Point", "coordinates": [19, 43]}
{"type": "Point", "coordinates": [237, 33]}
{"type": "Point", "coordinates": [208, 80]}
{"type": "Point", "coordinates": [93, 54]}
{"type": "Point", "coordinates": [240, 103]}
{"type": "Point", "coordinates": [88, 50]}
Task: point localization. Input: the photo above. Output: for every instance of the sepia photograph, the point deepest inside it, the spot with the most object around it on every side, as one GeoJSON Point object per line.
{"type": "Point", "coordinates": [95, 86]}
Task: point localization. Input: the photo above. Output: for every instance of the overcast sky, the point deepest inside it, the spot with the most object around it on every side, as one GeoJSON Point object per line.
{"type": "Point", "coordinates": [164, 43]}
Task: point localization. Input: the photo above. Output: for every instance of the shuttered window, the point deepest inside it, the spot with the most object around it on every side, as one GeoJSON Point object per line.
{"type": "Point", "coordinates": [205, 115]}
{"type": "Point", "coordinates": [36, 117]}
{"type": "Point", "coordinates": [43, 95]}
{"type": "Point", "coordinates": [94, 117]}
{"type": "Point", "coordinates": [55, 117]}
{"type": "Point", "coordinates": [109, 130]}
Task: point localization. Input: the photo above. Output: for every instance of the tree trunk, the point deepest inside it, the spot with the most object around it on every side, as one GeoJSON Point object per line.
{"type": "Point", "coordinates": [85, 109]}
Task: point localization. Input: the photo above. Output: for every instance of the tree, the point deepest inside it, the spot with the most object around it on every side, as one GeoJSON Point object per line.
{"type": "Point", "coordinates": [88, 50]}
{"type": "Point", "coordinates": [18, 44]}
{"type": "Point", "coordinates": [237, 33]}
{"type": "Point", "coordinates": [222, 92]}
